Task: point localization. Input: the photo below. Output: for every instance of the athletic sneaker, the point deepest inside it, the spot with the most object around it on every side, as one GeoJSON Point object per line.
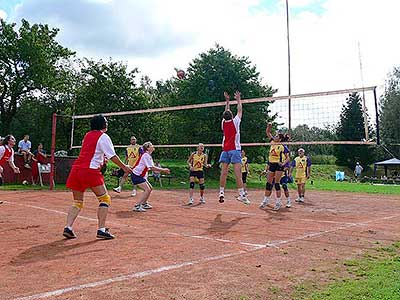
{"type": "Point", "coordinates": [133, 193]}
{"type": "Point", "coordinates": [301, 200]}
{"type": "Point", "coordinates": [138, 208]}
{"type": "Point", "coordinates": [147, 206]}
{"type": "Point", "coordinates": [190, 201]}
{"type": "Point", "coordinates": [202, 200]}
{"type": "Point", "coordinates": [297, 199]}
{"type": "Point", "coordinates": [246, 193]}
{"type": "Point", "coordinates": [263, 204]}
{"type": "Point", "coordinates": [243, 199]}
{"type": "Point", "coordinates": [68, 233]}
{"type": "Point", "coordinates": [105, 235]}
{"type": "Point", "coordinates": [278, 205]}
{"type": "Point", "coordinates": [117, 189]}
{"type": "Point", "coordinates": [289, 203]}
{"type": "Point", "coordinates": [221, 197]}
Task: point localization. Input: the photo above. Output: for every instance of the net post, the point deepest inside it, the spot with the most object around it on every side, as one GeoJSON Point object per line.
{"type": "Point", "coordinates": [53, 150]}
{"type": "Point", "coordinates": [378, 137]}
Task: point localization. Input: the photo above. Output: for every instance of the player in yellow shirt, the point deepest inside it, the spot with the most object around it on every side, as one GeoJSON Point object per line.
{"type": "Point", "coordinates": [302, 164]}
{"type": "Point", "coordinates": [245, 171]}
{"type": "Point", "coordinates": [132, 154]}
{"type": "Point", "coordinates": [197, 161]}
{"type": "Point", "coordinates": [278, 158]}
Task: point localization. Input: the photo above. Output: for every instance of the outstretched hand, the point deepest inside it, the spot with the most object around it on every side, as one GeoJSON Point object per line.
{"type": "Point", "coordinates": [227, 97]}
{"type": "Point", "coordinates": [237, 96]}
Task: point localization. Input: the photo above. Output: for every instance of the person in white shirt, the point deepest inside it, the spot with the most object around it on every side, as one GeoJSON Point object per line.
{"type": "Point", "coordinates": [24, 148]}
{"type": "Point", "coordinates": [139, 176]}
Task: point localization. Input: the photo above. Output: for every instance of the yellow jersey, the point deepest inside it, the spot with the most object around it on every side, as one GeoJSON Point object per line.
{"type": "Point", "coordinates": [301, 164]}
{"type": "Point", "coordinates": [244, 163]}
{"type": "Point", "coordinates": [132, 154]}
{"type": "Point", "coordinates": [277, 153]}
{"type": "Point", "coordinates": [198, 161]}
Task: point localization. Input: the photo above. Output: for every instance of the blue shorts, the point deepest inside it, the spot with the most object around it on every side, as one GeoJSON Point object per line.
{"type": "Point", "coordinates": [231, 157]}
{"type": "Point", "coordinates": [136, 179]}
{"type": "Point", "coordinates": [284, 180]}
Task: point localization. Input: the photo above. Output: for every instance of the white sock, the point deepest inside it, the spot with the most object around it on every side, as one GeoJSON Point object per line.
{"type": "Point", "coordinates": [241, 192]}
{"type": "Point", "coordinates": [266, 199]}
{"type": "Point", "coordinates": [221, 189]}
{"type": "Point", "coordinates": [102, 229]}
{"type": "Point", "coordinates": [278, 200]}
{"type": "Point", "coordinates": [70, 228]}
{"type": "Point", "coordinates": [288, 198]}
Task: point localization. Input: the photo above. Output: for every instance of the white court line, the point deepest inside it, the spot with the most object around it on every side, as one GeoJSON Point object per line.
{"type": "Point", "coordinates": [188, 263]}
{"type": "Point", "coordinates": [128, 276]}
{"type": "Point", "coordinates": [142, 229]}
{"type": "Point", "coordinates": [256, 246]}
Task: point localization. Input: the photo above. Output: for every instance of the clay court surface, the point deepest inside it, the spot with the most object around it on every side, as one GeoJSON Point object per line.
{"type": "Point", "coordinates": [212, 251]}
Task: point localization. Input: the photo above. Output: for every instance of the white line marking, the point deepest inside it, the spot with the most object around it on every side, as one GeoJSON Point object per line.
{"type": "Point", "coordinates": [185, 264]}
{"type": "Point", "coordinates": [129, 276]}
{"type": "Point", "coordinates": [218, 240]}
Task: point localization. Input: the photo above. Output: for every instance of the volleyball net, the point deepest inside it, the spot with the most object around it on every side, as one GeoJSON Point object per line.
{"type": "Point", "coordinates": [314, 117]}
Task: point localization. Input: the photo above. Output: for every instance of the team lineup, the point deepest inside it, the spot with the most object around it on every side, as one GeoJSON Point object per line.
{"type": "Point", "coordinates": [97, 148]}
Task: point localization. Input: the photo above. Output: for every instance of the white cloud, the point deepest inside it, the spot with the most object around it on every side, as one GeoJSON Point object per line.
{"type": "Point", "coordinates": [3, 14]}
{"type": "Point", "coordinates": [158, 35]}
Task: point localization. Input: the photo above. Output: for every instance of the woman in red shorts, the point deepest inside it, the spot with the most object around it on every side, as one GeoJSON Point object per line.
{"type": "Point", "coordinates": [85, 173]}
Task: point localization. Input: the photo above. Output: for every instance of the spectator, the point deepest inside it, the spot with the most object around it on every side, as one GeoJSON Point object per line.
{"type": "Point", "coordinates": [24, 148]}
{"type": "Point", "coordinates": [357, 171]}
{"type": "Point", "coordinates": [39, 157]}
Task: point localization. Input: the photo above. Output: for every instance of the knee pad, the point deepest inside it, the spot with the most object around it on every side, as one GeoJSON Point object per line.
{"type": "Point", "coordinates": [202, 186]}
{"type": "Point", "coordinates": [268, 186]}
{"type": "Point", "coordinates": [277, 187]}
{"type": "Point", "coordinates": [284, 187]}
{"type": "Point", "coordinates": [104, 201]}
{"type": "Point", "coordinates": [77, 203]}
{"type": "Point", "coordinates": [191, 185]}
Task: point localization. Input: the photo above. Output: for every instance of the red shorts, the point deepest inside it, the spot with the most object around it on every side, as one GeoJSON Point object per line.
{"type": "Point", "coordinates": [81, 179]}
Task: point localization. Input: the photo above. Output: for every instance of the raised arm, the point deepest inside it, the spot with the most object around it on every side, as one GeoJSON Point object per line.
{"type": "Point", "coordinates": [227, 98]}
{"type": "Point", "coordinates": [238, 98]}
{"type": "Point", "coordinates": [268, 131]}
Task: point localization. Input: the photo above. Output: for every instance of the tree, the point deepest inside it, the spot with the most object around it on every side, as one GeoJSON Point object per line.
{"type": "Point", "coordinates": [304, 133]}
{"type": "Point", "coordinates": [31, 64]}
{"type": "Point", "coordinates": [207, 77]}
{"type": "Point", "coordinates": [351, 128]}
{"type": "Point", "coordinates": [390, 112]}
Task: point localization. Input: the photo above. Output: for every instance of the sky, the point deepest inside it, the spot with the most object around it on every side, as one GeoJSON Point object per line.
{"type": "Point", "coordinates": [157, 36]}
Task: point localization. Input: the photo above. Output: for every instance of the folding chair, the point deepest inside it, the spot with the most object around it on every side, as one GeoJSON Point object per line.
{"type": "Point", "coordinates": [43, 169]}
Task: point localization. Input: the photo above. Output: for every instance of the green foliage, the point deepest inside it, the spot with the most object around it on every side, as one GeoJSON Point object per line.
{"type": "Point", "coordinates": [351, 128]}
{"type": "Point", "coordinates": [304, 133]}
{"type": "Point", "coordinates": [207, 77]}
{"type": "Point", "coordinates": [390, 112]}
{"type": "Point", "coordinates": [32, 65]}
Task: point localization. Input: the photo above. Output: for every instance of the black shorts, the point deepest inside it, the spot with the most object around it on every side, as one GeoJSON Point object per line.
{"type": "Point", "coordinates": [198, 174]}
{"type": "Point", "coordinates": [273, 167]}
{"type": "Point", "coordinates": [244, 177]}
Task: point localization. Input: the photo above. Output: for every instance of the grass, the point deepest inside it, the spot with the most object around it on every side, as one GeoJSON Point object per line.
{"type": "Point", "coordinates": [375, 276]}
{"type": "Point", "coordinates": [322, 177]}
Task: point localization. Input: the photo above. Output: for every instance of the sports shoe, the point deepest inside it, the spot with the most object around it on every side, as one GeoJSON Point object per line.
{"type": "Point", "coordinates": [146, 206]}
{"type": "Point", "coordinates": [301, 200]}
{"type": "Point", "coordinates": [263, 204]}
{"type": "Point", "coordinates": [139, 208]}
{"type": "Point", "coordinates": [221, 197]}
{"type": "Point", "coordinates": [202, 200]}
{"type": "Point", "coordinates": [243, 199]}
{"type": "Point", "coordinates": [27, 166]}
{"type": "Point", "coordinates": [117, 189]}
{"type": "Point", "coordinates": [289, 203]}
{"type": "Point", "coordinates": [133, 193]}
{"type": "Point", "coordinates": [190, 201]}
{"type": "Point", "coordinates": [297, 199]}
{"type": "Point", "coordinates": [105, 235]}
{"type": "Point", "coordinates": [68, 233]}
{"type": "Point", "coordinates": [278, 205]}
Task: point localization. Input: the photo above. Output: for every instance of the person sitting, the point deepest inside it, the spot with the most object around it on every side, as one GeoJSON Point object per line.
{"type": "Point", "coordinates": [24, 148]}
{"type": "Point", "coordinates": [39, 157]}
